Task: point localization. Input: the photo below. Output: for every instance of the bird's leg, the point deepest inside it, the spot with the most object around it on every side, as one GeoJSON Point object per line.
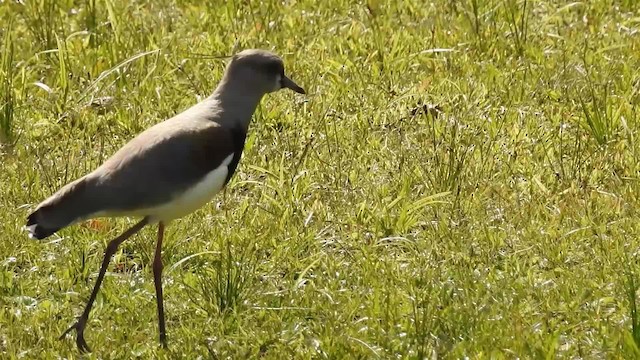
{"type": "Point", "coordinates": [157, 279]}
{"type": "Point", "coordinates": [109, 251]}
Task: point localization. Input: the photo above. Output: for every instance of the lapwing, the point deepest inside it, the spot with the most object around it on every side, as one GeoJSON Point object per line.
{"type": "Point", "coordinates": [168, 170]}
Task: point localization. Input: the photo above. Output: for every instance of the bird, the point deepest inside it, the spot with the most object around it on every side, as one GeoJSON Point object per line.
{"type": "Point", "coordinates": [167, 171]}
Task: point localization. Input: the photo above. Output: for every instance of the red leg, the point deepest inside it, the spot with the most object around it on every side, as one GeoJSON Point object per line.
{"type": "Point", "coordinates": [157, 279]}
{"type": "Point", "coordinates": [108, 253]}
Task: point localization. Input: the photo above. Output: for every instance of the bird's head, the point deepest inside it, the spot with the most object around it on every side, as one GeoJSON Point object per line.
{"type": "Point", "coordinates": [262, 70]}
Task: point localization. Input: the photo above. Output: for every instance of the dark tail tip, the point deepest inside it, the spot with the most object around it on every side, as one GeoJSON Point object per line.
{"type": "Point", "coordinates": [35, 229]}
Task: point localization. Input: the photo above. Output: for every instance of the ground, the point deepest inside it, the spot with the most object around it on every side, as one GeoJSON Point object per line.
{"type": "Point", "coordinates": [462, 179]}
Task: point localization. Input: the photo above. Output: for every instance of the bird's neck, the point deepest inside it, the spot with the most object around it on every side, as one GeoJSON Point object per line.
{"type": "Point", "coordinates": [237, 101]}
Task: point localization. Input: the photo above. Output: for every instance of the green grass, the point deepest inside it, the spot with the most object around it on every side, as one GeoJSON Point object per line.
{"type": "Point", "coordinates": [461, 181]}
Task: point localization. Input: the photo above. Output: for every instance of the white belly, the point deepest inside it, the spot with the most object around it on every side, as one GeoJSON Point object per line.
{"type": "Point", "coordinates": [190, 200]}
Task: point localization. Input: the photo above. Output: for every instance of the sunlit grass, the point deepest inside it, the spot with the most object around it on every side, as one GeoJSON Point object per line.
{"type": "Point", "coordinates": [462, 179]}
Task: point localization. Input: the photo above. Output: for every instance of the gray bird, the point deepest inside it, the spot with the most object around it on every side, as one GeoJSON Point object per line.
{"type": "Point", "coordinates": [167, 171]}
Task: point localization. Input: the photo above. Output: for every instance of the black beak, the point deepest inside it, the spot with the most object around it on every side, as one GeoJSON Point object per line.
{"type": "Point", "coordinates": [289, 84]}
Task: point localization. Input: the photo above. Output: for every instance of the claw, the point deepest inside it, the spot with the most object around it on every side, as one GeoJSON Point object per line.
{"type": "Point", "coordinates": [80, 342]}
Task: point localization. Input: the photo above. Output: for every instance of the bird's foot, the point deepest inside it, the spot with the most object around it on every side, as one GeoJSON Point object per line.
{"type": "Point", "coordinates": [79, 328]}
{"type": "Point", "coordinates": [163, 340]}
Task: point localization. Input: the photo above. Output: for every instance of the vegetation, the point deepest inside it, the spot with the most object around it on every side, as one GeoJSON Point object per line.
{"type": "Point", "coordinates": [461, 181]}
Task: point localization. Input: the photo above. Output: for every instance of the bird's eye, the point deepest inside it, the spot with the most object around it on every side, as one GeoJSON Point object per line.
{"type": "Point", "coordinates": [275, 68]}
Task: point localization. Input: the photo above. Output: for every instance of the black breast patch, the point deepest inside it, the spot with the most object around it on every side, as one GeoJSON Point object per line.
{"type": "Point", "coordinates": [238, 135]}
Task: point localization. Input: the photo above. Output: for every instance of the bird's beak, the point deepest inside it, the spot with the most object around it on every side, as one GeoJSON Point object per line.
{"type": "Point", "coordinates": [288, 83]}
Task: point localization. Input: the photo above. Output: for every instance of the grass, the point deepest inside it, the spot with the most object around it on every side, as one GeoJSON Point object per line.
{"type": "Point", "coordinates": [461, 181]}
{"type": "Point", "coordinates": [6, 84]}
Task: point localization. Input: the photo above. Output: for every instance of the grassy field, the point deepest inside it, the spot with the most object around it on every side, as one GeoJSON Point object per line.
{"type": "Point", "coordinates": [461, 181]}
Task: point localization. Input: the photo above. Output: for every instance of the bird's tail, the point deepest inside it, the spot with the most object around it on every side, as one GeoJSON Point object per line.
{"type": "Point", "coordinates": [58, 211]}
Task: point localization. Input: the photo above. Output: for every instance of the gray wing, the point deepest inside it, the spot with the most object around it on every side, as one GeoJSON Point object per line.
{"type": "Point", "coordinates": [162, 163]}
{"type": "Point", "coordinates": [151, 169]}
